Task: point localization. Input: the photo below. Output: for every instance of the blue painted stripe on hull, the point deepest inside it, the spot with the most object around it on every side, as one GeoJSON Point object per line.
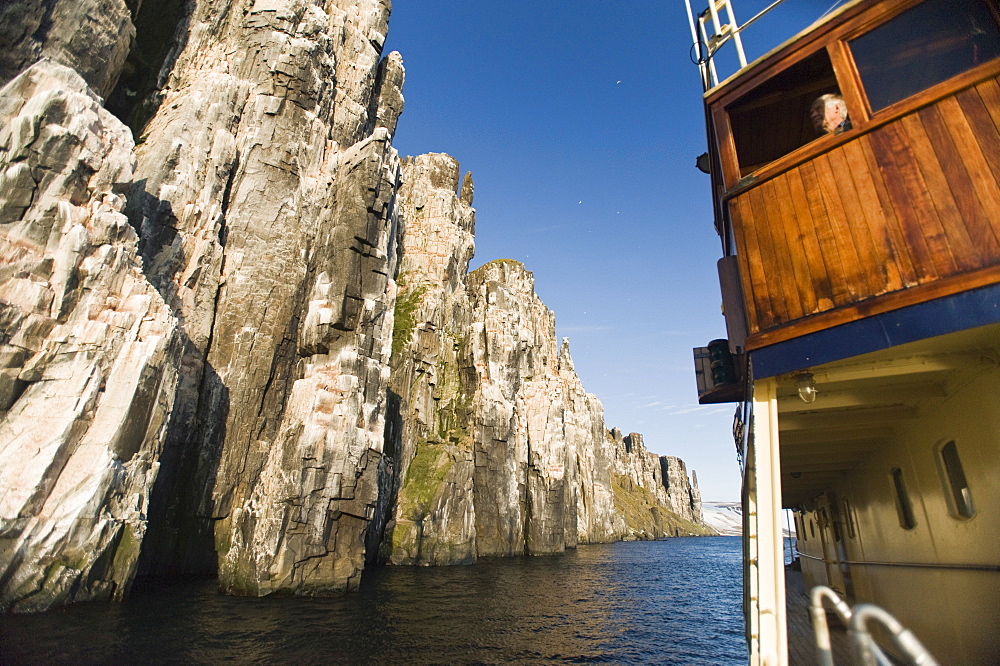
{"type": "Point", "coordinates": [958, 312]}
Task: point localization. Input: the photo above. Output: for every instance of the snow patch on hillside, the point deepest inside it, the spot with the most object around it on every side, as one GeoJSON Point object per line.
{"type": "Point", "coordinates": [727, 518]}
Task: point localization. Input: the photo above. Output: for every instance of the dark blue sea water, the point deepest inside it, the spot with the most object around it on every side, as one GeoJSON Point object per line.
{"type": "Point", "coordinates": [666, 602]}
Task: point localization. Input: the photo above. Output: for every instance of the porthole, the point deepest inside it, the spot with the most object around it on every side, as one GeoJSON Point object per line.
{"type": "Point", "coordinates": [955, 482]}
{"type": "Point", "coordinates": [904, 507]}
{"type": "Point", "coordinates": [849, 519]}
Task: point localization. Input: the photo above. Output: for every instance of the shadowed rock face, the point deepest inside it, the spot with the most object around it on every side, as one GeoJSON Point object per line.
{"type": "Point", "coordinates": [89, 36]}
{"type": "Point", "coordinates": [220, 352]}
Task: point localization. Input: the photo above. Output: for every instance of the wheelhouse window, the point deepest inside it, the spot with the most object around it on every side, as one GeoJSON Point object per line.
{"type": "Point", "coordinates": [924, 46]}
{"type": "Point", "coordinates": [777, 116]}
{"type": "Point", "coordinates": [954, 476]}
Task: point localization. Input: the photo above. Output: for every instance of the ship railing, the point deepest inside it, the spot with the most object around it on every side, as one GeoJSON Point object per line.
{"type": "Point", "coordinates": [711, 29]}
{"type": "Point", "coordinates": [709, 34]}
{"type": "Point", "coordinates": [857, 620]}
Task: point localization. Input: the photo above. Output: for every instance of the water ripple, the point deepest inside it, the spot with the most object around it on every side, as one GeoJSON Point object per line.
{"type": "Point", "coordinates": [676, 601]}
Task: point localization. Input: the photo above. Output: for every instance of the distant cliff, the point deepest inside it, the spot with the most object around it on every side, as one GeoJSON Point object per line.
{"type": "Point", "coordinates": [250, 345]}
{"type": "Point", "coordinates": [500, 449]}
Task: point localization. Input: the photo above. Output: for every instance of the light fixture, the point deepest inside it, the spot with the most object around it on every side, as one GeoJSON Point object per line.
{"type": "Point", "coordinates": [806, 385]}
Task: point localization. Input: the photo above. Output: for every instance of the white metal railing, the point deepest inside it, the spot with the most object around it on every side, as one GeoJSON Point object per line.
{"type": "Point", "coordinates": [715, 26]}
{"type": "Point", "coordinates": [857, 619]}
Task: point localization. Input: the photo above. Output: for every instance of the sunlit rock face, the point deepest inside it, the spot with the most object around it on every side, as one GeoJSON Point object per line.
{"type": "Point", "coordinates": [683, 496]}
{"type": "Point", "coordinates": [652, 493]}
{"type": "Point", "coordinates": [88, 349]}
{"type": "Point", "coordinates": [242, 362]}
{"type": "Point", "coordinates": [429, 433]}
{"type": "Point", "coordinates": [264, 198]}
{"type": "Point", "coordinates": [501, 451]}
{"type": "Point", "coordinates": [525, 499]}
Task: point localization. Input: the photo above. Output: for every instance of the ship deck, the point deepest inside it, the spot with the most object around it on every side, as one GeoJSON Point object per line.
{"type": "Point", "coordinates": [801, 641]}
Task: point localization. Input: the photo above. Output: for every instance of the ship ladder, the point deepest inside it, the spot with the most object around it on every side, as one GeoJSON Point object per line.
{"type": "Point", "coordinates": [709, 34]}
{"type": "Point", "coordinates": [867, 652]}
{"type": "Point", "coordinates": [710, 41]}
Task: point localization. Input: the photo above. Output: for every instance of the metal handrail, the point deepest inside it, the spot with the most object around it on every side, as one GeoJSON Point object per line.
{"type": "Point", "coordinates": [712, 43]}
{"type": "Point", "coordinates": [904, 639]}
{"type": "Point", "coordinates": [824, 652]}
{"type": "Point", "coordinates": [867, 651]}
{"type": "Point", "coordinates": [918, 565]}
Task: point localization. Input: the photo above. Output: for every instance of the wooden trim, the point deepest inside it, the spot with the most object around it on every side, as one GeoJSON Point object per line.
{"type": "Point", "coordinates": [727, 148]}
{"type": "Point", "coordinates": [804, 45]}
{"type": "Point", "coordinates": [849, 81]}
{"type": "Point", "coordinates": [877, 305]}
{"type": "Point", "coordinates": [824, 144]}
{"type": "Point", "coordinates": [764, 66]}
{"type": "Point", "coordinates": [811, 243]}
{"type": "Point", "coordinates": [949, 237]}
{"type": "Point", "coordinates": [974, 106]}
{"type": "Point", "coordinates": [886, 145]}
{"type": "Point", "coordinates": [951, 86]}
{"type": "Point", "coordinates": [894, 226]}
{"type": "Point", "coordinates": [961, 159]}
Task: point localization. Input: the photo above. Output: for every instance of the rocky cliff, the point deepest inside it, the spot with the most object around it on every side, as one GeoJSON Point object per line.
{"type": "Point", "coordinates": [264, 197]}
{"type": "Point", "coordinates": [501, 450]}
{"type": "Point", "coordinates": [88, 348]}
{"type": "Point", "coordinates": [220, 352]}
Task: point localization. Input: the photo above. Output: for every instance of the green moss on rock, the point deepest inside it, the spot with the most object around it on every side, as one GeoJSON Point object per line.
{"type": "Point", "coordinates": [424, 479]}
{"type": "Point", "coordinates": [644, 518]}
{"type": "Point", "coordinates": [404, 321]}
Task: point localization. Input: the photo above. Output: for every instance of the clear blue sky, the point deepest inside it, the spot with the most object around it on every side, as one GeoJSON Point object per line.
{"type": "Point", "coordinates": [581, 121]}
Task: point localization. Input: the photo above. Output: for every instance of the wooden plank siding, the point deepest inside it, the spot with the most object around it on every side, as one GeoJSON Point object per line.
{"type": "Point", "coordinates": [911, 206]}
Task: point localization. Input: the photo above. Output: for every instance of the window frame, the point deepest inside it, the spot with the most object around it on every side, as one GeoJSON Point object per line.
{"type": "Point", "coordinates": [932, 92]}
{"type": "Point", "coordinates": [833, 37]}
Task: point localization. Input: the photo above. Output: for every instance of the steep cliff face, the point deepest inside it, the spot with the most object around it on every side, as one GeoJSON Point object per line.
{"type": "Point", "coordinates": [247, 355]}
{"type": "Point", "coordinates": [502, 451]}
{"type": "Point", "coordinates": [88, 349]}
{"type": "Point", "coordinates": [523, 497]}
{"type": "Point", "coordinates": [653, 493]}
{"type": "Point", "coordinates": [220, 352]}
{"type": "Point", "coordinates": [90, 36]}
{"type": "Point", "coordinates": [433, 519]}
{"type": "Point", "coordinates": [264, 195]}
